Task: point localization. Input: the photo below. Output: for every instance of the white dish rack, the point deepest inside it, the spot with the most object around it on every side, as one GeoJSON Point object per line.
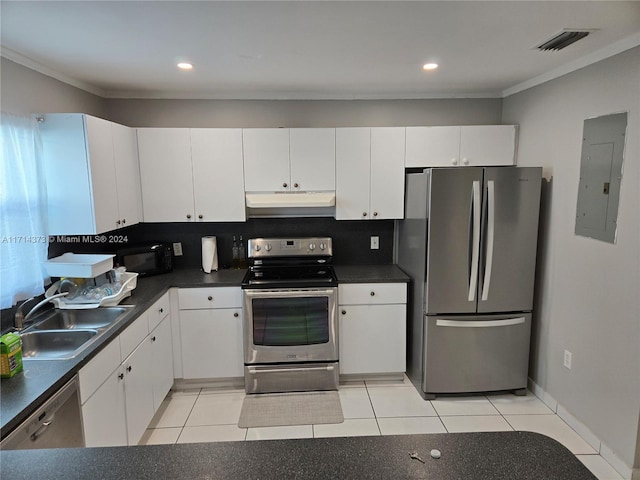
{"type": "Point", "coordinates": [128, 281]}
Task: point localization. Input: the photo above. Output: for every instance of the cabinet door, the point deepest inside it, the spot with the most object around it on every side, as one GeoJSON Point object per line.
{"type": "Point", "coordinates": [387, 173]}
{"type": "Point", "coordinates": [266, 159]}
{"type": "Point", "coordinates": [372, 339]}
{"type": "Point", "coordinates": [218, 181]}
{"type": "Point", "coordinates": [483, 145]}
{"type": "Point", "coordinates": [125, 154]}
{"type": "Point", "coordinates": [212, 343]}
{"type": "Point", "coordinates": [313, 159]}
{"type": "Point", "coordinates": [103, 414]}
{"type": "Point", "coordinates": [138, 388]}
{"type": "Point", "coordinates": [165, 170]}
{"type": "Point", "coordinates": [103, 174]}
{"type": "Point", "coordinates": [353, 163]}
{"type": "Point", "coordinates": [432, 147]}
{"type": "Point", "coordinates": [162, 361]}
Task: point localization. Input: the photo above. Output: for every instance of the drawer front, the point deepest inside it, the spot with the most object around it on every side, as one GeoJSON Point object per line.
{"type": "Point", "coordinates": [158, 311]}
{"type": "Point", "coordinates": [220, 297]}
{"type": "Point", "coordinates": [133, 335]}
{"type": "Point", "coordinates": [94, 373]}
{"type": "Point", "coordinates": [372, 293]}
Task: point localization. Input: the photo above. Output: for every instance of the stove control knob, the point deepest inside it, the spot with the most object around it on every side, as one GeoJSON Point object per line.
{"type": "Point", "coordinates": [312, 246]}
{"type": "Point", "coordinates": [267, 247]}
{"type": "Point", "coordinates": [257, 248]}
{"type": "Point", "coordinates": [322, 246]}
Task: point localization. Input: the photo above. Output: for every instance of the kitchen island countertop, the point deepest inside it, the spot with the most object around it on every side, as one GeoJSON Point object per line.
{"type": "Point", "coordinates": [477, 456]}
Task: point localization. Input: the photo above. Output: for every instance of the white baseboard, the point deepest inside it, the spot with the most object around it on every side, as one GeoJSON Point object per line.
{"type": "Point", "coordinates": [587, 435]}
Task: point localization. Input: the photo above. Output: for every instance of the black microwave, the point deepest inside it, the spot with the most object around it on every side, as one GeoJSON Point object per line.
{"type": "Point", "coordinates": [146, 259]}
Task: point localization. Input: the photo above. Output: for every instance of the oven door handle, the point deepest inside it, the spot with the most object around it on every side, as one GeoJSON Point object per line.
{"type": "Point", "coordinates": [253, 371]}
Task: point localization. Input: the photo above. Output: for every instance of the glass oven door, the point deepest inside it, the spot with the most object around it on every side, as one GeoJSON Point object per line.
{"type": "Point", "coordinates": [290, 325]}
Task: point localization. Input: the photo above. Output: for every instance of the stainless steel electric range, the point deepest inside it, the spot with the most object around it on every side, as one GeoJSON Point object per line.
{"type": "Point", "coordinates": [290, 316]}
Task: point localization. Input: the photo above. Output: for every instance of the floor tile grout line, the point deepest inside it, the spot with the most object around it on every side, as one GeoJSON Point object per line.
{"type": "Point", "coordinates": [375, 415]}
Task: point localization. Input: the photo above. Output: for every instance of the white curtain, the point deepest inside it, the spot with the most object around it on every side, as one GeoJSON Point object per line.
{"type": "Point", "coordinates": [23, 210]}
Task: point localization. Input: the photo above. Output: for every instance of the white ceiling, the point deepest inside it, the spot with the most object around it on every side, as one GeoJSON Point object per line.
{"type": "Point", "coordinates": [309, 49]}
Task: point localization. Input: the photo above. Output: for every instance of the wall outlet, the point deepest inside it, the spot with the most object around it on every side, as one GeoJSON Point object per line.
{"type": "Point", "coordinates": [177, 249]}
{"type": "Point", "coordinates": [375, 243]}
{"type": "Point", "coordinates": [567, 359]}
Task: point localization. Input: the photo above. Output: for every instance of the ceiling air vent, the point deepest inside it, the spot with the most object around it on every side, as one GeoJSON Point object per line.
{"type": "Point", "coordinates": [563, 39]}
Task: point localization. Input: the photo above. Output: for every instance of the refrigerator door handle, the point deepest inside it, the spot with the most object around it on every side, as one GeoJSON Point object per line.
{"type": "Point", "coordinates": [475, 241]}
{"type": "Point", "coordinates": [491, 226]}
{"type": "Point", "coordinates": [479, 323]}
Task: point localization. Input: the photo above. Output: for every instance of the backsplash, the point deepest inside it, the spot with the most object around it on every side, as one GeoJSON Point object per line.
{"type": "Point", "coordinates": [351, 239]}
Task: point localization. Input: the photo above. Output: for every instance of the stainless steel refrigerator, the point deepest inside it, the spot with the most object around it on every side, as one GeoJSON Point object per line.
{"type": "Point", "coordinates": [468, 241]}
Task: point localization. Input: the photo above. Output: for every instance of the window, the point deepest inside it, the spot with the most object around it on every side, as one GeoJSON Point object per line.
{"type": "Point", "coordinates": [23, 232]}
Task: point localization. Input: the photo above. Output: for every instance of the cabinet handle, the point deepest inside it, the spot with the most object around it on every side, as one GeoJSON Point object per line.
{"type": "Point", "coordinates": [375, 214]}
{"type": "Point", "coordinates": [118, 222]}
{"type": "Point", "coordinates": [344, 312]}
{"type": "Point", "coordinates": [129, 368]}
{"type": "Point", "coordinates": [373, 294]}
{"type": "Point", "coordinates": [235, 314]}
{"type": "Point", "coordinates": [162, 310]}
{"type": "Point", "coordinates": [209, 298]}
{"type": "Point", "coordinates": [284, 184]}
{"type": "Point", "coordinates": [295, 185]}
{"type": "Point", "coordinates": [153, 339]}
{"type": "Point", "coordinates": [454, 161]}
{"type": "Point", "coordinates": [465, 161]}
{"type": "Point", "coordinates": [364, 214]}
{"type": "Point", "coordinates": [200, 217]}
{"type": "Point", "coordinates": [121, 376]}
{"type": "Point", "coordinates": [189, 216]}
{"type": "Point", "coordinates": [124, 220]}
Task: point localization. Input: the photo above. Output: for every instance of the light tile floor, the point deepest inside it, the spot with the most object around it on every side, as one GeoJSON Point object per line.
{"type": "Point", "coordinates": [370, 408]}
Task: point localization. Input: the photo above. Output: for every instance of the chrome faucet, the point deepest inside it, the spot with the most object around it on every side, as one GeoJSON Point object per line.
{"type": "Point", "coordinates": [20, 317]}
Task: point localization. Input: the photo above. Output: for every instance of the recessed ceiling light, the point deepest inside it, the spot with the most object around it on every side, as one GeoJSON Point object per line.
{"type": "Point", "coordinates": [430, 66]}
{"type": "Point", "coordinates": [185, 66]}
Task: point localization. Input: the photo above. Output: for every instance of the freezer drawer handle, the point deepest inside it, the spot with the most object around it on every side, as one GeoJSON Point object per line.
{"type": "Point", "coordinates": [491, 227]}
{"type": "Point", "coordinates": [475, 240]}
{"type": "Point", "coordinates": [479, 323]}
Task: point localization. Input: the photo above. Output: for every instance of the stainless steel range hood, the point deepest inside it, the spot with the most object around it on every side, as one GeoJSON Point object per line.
{"type": "Point", "coordinates": [291, 204]}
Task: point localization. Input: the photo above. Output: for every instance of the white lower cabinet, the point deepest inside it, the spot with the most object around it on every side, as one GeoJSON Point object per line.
{"type": "Point", "coordinates": [138, 389]}
{"type": "Point", "coordinates": [211, 333]}
{"type": "Point", "coordinates": [124, 385]}
{"type": "Point", "coordinates": [373, 319]}
{"type": "Point", "coordinates": [103, 415]}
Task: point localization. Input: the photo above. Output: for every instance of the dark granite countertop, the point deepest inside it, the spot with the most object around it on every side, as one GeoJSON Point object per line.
{"type": "Point", "coordinates": [477, 456]}
{"type": "Point", "coordinates": [40, 379]}
{"type": "Point", "coordinates": [370, 274]}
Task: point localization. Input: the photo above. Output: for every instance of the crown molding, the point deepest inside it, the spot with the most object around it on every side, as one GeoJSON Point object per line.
{"type": "Point", "coordinates": [50, 72]}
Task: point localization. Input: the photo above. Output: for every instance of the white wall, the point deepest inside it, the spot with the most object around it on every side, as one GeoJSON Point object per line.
{"type": "Point", "coordinates": [588, 291]}
{"type": "Point", "coordinates": [24, 91]}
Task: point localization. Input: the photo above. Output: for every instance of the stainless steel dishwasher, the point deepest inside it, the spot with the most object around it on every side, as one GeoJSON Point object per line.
{"type": "Point", "coordinates": [56, 424]}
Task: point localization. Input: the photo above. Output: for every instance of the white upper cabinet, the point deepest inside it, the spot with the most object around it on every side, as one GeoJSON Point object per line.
{"type": "Point", "coordinates": [312, 155]}
{"type": "Point", "coordinates": [488, 145]}
{"type": "Point", "coordinates": [266, 159]}
{"type": "Point", "coordinates": [387, 173]}
{"type": "Point", "coordinates": [191, 174]}
{"type": "Point", "coordinates": [481, 145]}
{"type": "Point", "coordinates": [282, 159]}
{"type": "Point", "coordinates": [91, 172]}
{"type": "Point", "coordinates": [218, 190]}
{"type": "Point", "coordinates": [369, 173]}
{"type": "Point", "coordinates": [125, 153]}
{"type": "Point", "coordinates": [165, 170]}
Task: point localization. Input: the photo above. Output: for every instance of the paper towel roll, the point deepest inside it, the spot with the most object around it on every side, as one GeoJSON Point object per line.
{"type": "Point", "coordinates": [209, 254]}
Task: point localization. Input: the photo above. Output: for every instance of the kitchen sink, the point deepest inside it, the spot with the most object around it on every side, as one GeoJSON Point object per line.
{"type": "Point", "coordinates": [97, 318]}
{"type": "Point", "coordinates": [55, 344]}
